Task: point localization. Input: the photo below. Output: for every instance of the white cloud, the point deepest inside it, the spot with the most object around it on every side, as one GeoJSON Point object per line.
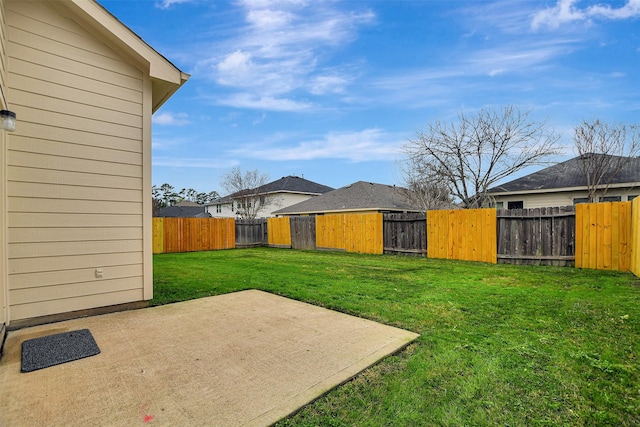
{"type": "Point", "coordinates": [363, 146]}
{"type": "Point", "coordinates": [171, 119]}
{"type": "Point", "coordinates": [166, 4]}
{"type": "Point", "coordinates": [510, 57]}
{"type": "Point", "coordinates": [563, 11]}
{"type": "Point", "coordinates": [280, 50]}
{"type": "Point", "coordinates": [630, 10]}
{"type": "Point", "coordinates": [566, 11]}
{"type": "Point", "coordinates": [249, 100]}
{"type": "Point", "coordinates": [323, 84]}
{"type": "Point", "coordinates": [268, 19]}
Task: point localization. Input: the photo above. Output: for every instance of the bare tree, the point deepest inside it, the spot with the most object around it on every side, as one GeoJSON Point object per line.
{"type": "Point", "coordinates": [604, 150]}
{"type": "Point", "coordinates": [426, 189]}
{"type": "Point", "coordinates": [247, 192]}
{"type": "Point", "coordinates": [479, 150]}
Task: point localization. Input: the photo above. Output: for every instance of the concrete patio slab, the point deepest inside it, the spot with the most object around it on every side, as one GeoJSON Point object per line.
{"type": "Point", "coordinates": [243, 359]}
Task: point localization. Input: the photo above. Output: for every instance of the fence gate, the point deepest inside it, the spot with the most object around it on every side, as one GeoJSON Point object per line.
{"type": "Point", "coordinates": [303, 232]}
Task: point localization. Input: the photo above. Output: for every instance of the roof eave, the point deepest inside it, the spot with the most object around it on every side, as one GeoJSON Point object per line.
{"type": "Point", "coordinates": [335, 211]}
{"type": "Point", "coordinates": [563, 189]}
{"type": "Point", "coordinates": [166, 78]}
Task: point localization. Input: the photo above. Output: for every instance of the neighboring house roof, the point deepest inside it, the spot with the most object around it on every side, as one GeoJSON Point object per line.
{"type": "Point", "coordinates": [166, 78]}
{"type": "Point", "coordinates": [187, 203]}
{"type": "Point", "coordinates": [294, 184]}
{"type": "Point", "coordinates": [178, 211]}
{"type": "Point", "coordinates": [286, 184]}
{"type": "Point", "coordinates": [567, 174]}
{"type": "Point", "coordinates": [359, 196]}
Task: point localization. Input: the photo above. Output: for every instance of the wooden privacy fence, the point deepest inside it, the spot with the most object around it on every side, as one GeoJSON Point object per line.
{"type": "Point", "coordinates": [598, 236]}
{"type": "Point", "coordinates": [251, 232]}
{"type": "Point", "coordinates": [405, 233]}
{"type": "Point", "coordinates": [279, 232]}
{"type": "Point", "coordinates": [635, 237]}
{"type": "Point", "coordinates": [303, 232]}
{"type": "Point", "coordinates": [465, 234]}
{"type": "Point", "coordinates": [350, 232]}
{"type": "Point", "coordinates": [541, 236]}
{"type": "Point", "coordinates": [603, 236]}
{"type": "Point", "coordinates": [193, 234]}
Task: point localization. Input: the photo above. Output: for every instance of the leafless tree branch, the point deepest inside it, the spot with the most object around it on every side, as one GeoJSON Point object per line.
{"type": "Point", "coordinates": [245, 190]}
{"type": "Point", "coordinates": [604, 150]}
{"type": "Point", "coordinates": [476, 152]}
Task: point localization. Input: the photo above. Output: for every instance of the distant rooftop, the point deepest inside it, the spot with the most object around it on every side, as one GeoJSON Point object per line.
{"type": "Point", "coordinates": [360, 195]}
{"type": "Point", "coordinates": [286, 184]}
{"type": "Point", "coordinates": [178, 211]}
{"type": "Point", "coordinates": [567, 174]}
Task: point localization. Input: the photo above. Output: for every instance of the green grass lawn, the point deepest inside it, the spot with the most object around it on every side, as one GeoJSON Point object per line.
{"type": "Point", "coordinates": [500, 345]}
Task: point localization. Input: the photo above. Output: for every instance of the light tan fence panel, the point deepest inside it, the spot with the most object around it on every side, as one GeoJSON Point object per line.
{"type": "Point", "coordinates": [466, 234]}
{"type": "Point", "coordinates": [279, 231]}
{"type": "Point", "coordinates": [603, 236]}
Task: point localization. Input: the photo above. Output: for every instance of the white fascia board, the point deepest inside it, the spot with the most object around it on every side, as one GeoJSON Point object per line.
{"type": "Point", "coordinates": [563, 189]}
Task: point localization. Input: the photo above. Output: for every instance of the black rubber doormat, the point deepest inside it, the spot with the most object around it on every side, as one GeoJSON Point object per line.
{"type": "Point", "coordinates": [43, 352]}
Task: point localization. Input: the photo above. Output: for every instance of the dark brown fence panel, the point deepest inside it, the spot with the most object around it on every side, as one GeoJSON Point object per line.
{"type": "Point", "coordinates": [303, 232]}
{"type": "Point", "coordinates": [541, 236]}
{"type": "Point", "coordinates": [405, 233]}
{"type": "Point", "coordinates": [251, 232]}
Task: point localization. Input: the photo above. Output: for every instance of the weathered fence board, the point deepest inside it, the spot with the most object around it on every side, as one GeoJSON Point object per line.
{"type": "Point", "coordinates": [603, 236]}
{"type": "Point", "coordinates": [279, 232]}
{"type": "Point", "coordinates": [468, 234]}
{"type": "Point", "coordinates": [251, 232]}
{"type": "Point", "coordinates": [405, 233]}
{"type": "Point", "coordinates": [303, 232]}
{"type": "Point", "coordinates": [541, 236]}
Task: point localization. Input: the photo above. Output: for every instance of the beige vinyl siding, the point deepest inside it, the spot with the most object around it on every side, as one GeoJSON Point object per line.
{"type": "Point", "coordinates": [4, 313]}
{"type": "Point", "coordinates": [75, 167]}
{"type": "Point", "coordinates": [3, 57]}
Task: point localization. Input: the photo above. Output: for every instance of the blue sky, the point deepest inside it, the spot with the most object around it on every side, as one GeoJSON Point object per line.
{"type": "Point", "coordinates": [331, 90]}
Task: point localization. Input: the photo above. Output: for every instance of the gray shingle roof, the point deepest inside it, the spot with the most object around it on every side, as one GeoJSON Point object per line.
{"type": "Point", "coordinates": [294, 184]}
{"type": "Point", "coordinates": [566, 175]}
{"type": "Point", "coordinates": [286, 184]}
{"type": "Point", "coordinates": [357, 196]}
{"type": "Point", "coordinates": [182, 212]}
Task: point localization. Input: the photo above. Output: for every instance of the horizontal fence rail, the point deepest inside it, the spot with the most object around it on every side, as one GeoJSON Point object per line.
{"type": "Point", "coordinates": [598, 236]}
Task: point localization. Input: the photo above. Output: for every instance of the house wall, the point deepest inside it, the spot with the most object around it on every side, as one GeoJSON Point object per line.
{"type": "Point", "coordinates": [3, 181]}
{"type": "Point", "coordinates": [278, 201]}
{"type": "Point", "coordinates": [284, 200]}
{"type": "Point", "coordinates": [75, 174]}
{"type": "Point", "coordinates": [565, 198]}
